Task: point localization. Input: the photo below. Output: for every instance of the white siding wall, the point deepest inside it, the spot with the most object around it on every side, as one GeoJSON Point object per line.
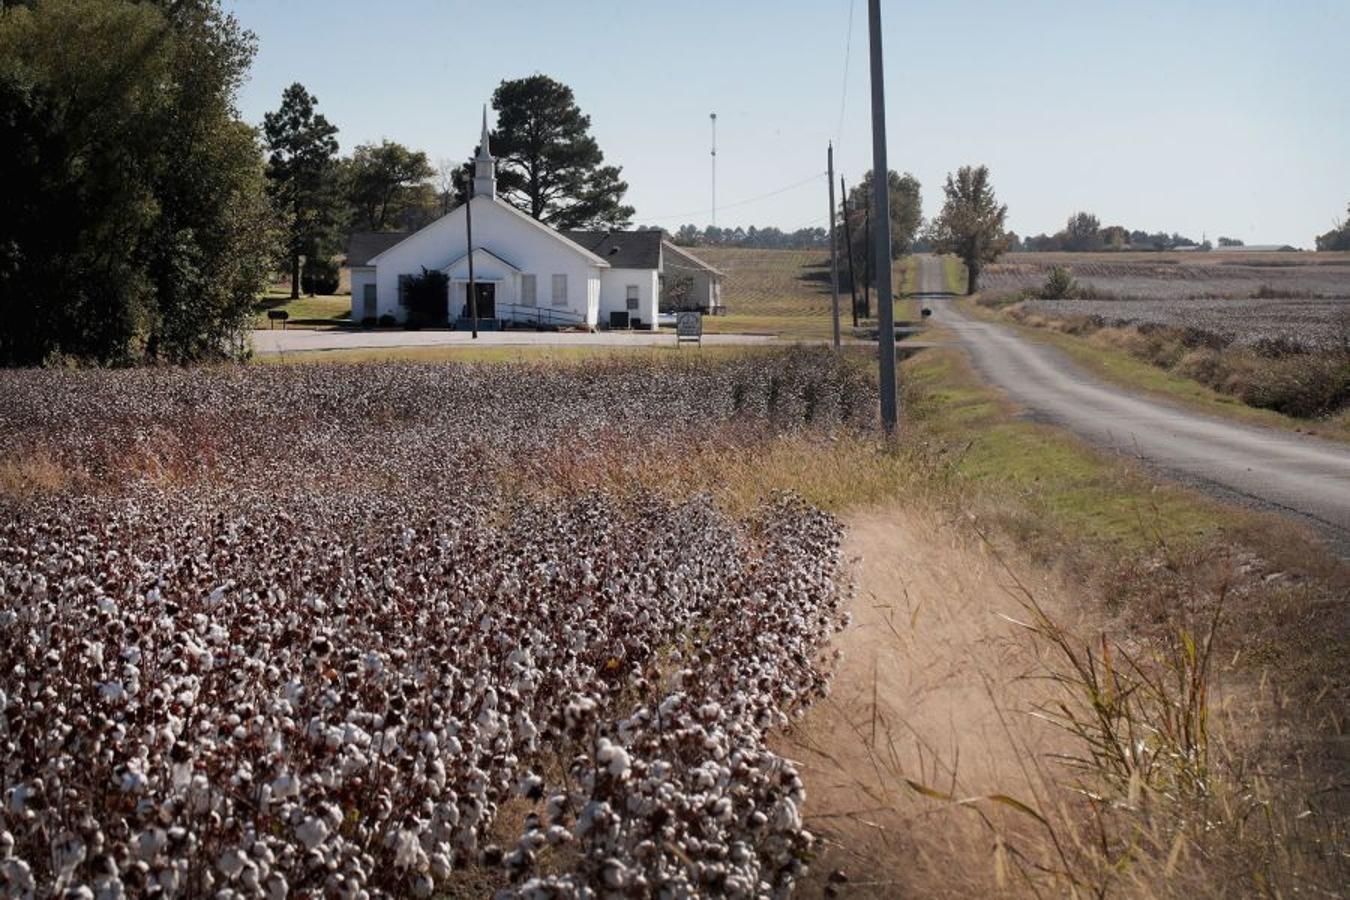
{"type": "Point", "coordinates": [614, 294]}
{"type": "Point", "coordinates": [524, 245]}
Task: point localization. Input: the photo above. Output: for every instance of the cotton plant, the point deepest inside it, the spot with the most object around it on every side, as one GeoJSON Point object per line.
{"type": "Point", "coordinates": [354, 686]}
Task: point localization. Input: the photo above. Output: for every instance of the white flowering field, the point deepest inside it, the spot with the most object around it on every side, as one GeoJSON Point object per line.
{"type": "Point", "coordinates": [358, 631]}
{"type": "Point", "coordinates": [1275, 298]}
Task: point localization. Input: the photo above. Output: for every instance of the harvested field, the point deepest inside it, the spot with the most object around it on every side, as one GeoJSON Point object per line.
{"type": "Point", "coordinates": [1227, 276]}
{"type": "Point", "coordinates": [1314, 324]}
{"type": "Point", "coordinates": [1285, 299]}
{"type": "Point", "coordinates": [405, 629]}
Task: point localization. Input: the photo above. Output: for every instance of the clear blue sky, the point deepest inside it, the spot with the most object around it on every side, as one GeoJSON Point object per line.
{"type": "Point", "coordinates": [1192, 115]}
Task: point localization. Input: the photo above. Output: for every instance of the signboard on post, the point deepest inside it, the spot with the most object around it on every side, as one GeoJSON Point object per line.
{"type": "Point", "coordinates": [689, 327]}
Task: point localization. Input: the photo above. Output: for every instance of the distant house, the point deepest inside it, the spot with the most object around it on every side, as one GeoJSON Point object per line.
{"type": "Point", "coordinates": [524, 271]}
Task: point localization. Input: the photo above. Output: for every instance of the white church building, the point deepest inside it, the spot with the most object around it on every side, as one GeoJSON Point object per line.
{"type": "Point", "coordinates": [526, 272]}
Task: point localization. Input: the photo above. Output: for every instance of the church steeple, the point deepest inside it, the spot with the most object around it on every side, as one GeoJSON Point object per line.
{"type": "Point", "coordinates": [484, 168]}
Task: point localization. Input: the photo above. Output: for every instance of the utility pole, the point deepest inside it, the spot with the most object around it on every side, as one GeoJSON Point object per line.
{"type": "Point", "coordinates": [867, 257]}
{"type": "Point", "coordinates": [834, 247]}
{"type": "Point", "coordinates": [713, 117]}
{"type": "Point", "coordinates": [468, 231]}
{"type": "Point", "coordinates": [881, 185]}
{"type": "Point", "coordinates": [848, 242]}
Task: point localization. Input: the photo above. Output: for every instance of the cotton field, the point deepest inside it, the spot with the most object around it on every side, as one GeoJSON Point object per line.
{"type": "Point", "coordinates": [360, 631]}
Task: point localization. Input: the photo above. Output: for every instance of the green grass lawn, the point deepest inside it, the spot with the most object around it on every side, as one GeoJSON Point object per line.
{"type": "Point", "coordinates": [1040, 483]}
{"type": "Point", "coordinates": [787, 292]}
{"type": "Point", "coordinates": [322, 311]}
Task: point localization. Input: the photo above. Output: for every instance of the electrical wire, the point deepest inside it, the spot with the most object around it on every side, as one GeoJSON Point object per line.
{"type": "Point", "coordinates": [739, 203]}
{"type": "Point", "coordinates": [843, 93]}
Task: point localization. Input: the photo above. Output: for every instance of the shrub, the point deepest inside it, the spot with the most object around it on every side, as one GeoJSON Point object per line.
{"type": "Point", "coordinates": [388, 321]}
{"type": "Point", "coordinates": [1059, 285]}
{"type": "Point", "coordinates": [368, 322]}
{"type": "Point", "coordinates": [320, 276]}
{"type": "Point", "coordinates": [427, 298]}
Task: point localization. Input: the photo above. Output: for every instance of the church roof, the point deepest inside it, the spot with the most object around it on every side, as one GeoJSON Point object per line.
{"type": "Point", "coordinates": [363, 246]}
{"type": "Point", "coordinates": [621, 249]}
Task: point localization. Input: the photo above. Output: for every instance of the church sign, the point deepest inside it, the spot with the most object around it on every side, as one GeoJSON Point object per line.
{"type": "Point", "coordinates": [689, 327]}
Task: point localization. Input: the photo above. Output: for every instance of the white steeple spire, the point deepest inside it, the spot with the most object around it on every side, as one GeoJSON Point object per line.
{"type": "Point", "coordinates": [484, 168]}
{"type": "Point", "coordinates": [483, 141]}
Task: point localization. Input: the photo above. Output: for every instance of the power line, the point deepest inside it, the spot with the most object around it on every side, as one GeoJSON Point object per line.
{"type": "Point", "coordinates": [843, 93]}
{"type": "Point", "coordinates": [739, 203]}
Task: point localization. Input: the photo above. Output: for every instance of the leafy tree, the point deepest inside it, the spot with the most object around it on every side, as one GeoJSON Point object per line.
{"type": "Point", "coordinates": [1231, 242]}
{"type": "Point", "coordinates": [302, 169]}
{"type": "Point", "coordinates": [136, 222]}
{"type": "Point", "coordinates": [1115, 237]}
{"type": "Point", "coordinates": [1083, 232]}
{"type": "Point", "coordinates": [548, 164]}
{"type": "Point", "coordinates": [971, 222]}
{"type": "Point", "coordinates": [1337, 238]}
{"type": "Point", "coordinates": [381, 183]}
{"type": "Point", "coordinates": [906, 206]}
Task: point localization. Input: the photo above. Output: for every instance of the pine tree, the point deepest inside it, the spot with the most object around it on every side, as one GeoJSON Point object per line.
{"type": "Point", "coordinates": [548, 164]}
{"type": "Point", "coordinates": [302, 169]}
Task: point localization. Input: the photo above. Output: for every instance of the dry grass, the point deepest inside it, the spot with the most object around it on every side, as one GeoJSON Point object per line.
{"type": "Point", "coordinates": [785, 292]}
{"type": "Point", "coordinates": [1024, 708]}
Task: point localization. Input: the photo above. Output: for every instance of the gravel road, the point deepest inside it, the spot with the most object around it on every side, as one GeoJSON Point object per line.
{"type": "Point", "coordinates": [1304, 476]}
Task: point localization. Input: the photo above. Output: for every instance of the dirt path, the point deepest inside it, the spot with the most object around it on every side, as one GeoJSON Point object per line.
{"type": "Point", "coordinates": [931, 688]}
{"type": "Point", "coordinates": [1296, 474]}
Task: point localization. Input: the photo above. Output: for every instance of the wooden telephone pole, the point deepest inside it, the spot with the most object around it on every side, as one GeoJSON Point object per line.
{"type": "Point", "coordinates": [882, 231]}
{"type": "Point", "coordinates": [834, 247]}
{"type": "Point", "coordinates": [848, 242]}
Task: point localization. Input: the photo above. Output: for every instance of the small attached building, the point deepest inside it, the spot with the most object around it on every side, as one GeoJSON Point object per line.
{"type": "Point", "coordinates": [524, 271]}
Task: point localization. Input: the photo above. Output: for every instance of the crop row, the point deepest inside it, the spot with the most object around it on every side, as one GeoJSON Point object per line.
{"type": "Point", "coordinates": [351, 685]}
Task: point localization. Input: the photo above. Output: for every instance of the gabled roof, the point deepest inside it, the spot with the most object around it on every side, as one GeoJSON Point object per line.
{"type": "Point", "coordinates": [504, 206]}
{"type": "Point", "coordinates": [689, 257]}
{"type": "Point", "coordinates": [459, 259]}
{"type": "Point", "coordinates": [621, 249]}
{"type": "Point", "coordinates": [363, 246]}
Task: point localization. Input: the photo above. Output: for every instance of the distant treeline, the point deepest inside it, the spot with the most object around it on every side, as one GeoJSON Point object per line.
{"type": "Point", "coordinates": [760, 238]}
{"type": "Point", "coordinates": [1083, 233]}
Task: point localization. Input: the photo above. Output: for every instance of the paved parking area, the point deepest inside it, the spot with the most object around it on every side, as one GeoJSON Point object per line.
{"type": "Point", "coordinates": [299, 340]}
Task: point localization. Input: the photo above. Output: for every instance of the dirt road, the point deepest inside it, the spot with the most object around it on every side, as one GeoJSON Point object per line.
{"type": "Point", "coordinates": [1301, 475]}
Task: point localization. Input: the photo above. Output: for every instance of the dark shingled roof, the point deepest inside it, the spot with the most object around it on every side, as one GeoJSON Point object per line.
{"type": "Point", "coordinates": [621, 249]}
{"type": "Point", "coordinates": [363, 245]}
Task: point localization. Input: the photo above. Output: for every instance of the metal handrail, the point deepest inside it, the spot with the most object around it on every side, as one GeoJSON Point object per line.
{"type": "Point", "coordinates": [540, 315]}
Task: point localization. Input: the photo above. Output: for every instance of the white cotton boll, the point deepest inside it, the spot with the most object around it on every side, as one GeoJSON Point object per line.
{"type": "Point", "coordinates": [422, 885]}
{"type": "Point", "coordinates": [231, 862]}
{"type": "Point", "coordinates": [79, 892]}
{"type": "Point", "coordinates": [17, 876]}
{"type": "Point", "coordinates": [150, 843]}
{"type": "Point", "coordinates": [217, 595]}
{"type": "Point", "coordinates": [110, 887]}
{"type": "Point", "coordinates": [531, 786]}
{"type": "Point", "coordinates": [614, 874]}
{"type": "Point", "coordinates": [786, 817]}
{"type": "Point", "coordinates": [440, 866]}
{"type": "Point", "coordinates": [311, 832]}
{"type": "Point", "coordinates": [133, 782]}
{"type": "Point", "coordinates": [112, 691]}
{"type": "Point", "coordinates": [276, 887]}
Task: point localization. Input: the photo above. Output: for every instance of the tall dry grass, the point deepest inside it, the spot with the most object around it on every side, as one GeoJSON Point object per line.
{"type": "Point", "coordinates": [1107, 760]}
